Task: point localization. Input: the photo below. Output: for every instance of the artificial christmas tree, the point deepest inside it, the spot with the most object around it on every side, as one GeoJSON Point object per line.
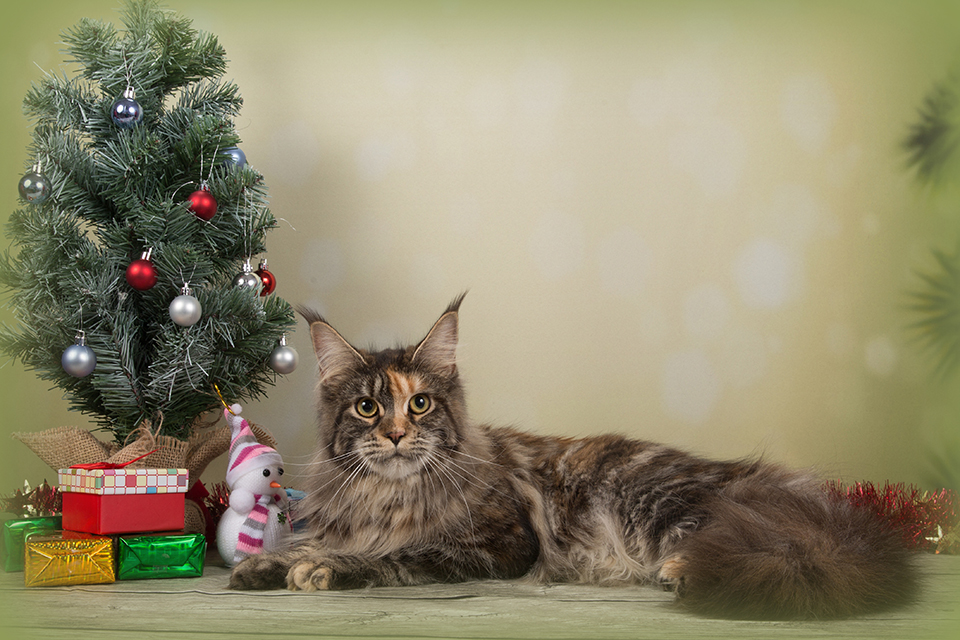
{"type": "Point", "coordinates": [112, 253]}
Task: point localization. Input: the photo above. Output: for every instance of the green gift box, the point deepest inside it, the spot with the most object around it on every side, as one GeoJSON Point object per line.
{"type": "Point", "coordinates": [171, 555]}
{"type": "Point", "coordinates": [14, 532]}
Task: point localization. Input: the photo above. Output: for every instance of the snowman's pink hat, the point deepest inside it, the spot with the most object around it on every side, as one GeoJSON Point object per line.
{"type": "Point", "coordinates": [246, 453]}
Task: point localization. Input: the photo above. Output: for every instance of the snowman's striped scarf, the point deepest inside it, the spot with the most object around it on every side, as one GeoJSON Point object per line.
{"type": "Point", "coordinates": [250, 540]}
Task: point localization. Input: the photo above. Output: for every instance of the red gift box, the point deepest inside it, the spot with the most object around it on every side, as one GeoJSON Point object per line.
{"type": "Point", "coordinates": [108, 501]}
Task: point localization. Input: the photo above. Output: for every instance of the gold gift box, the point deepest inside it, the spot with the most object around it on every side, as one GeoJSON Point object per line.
{"type": "Point", "coordinates": [52, 560]}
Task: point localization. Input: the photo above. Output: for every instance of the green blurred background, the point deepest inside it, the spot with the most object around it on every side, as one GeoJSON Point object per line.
{"type": "Point", "coordinates": [686, 221]}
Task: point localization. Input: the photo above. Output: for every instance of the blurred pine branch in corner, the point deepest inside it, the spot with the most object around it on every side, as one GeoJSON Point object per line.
{"type": "Point", "coordinates": [933, 150]}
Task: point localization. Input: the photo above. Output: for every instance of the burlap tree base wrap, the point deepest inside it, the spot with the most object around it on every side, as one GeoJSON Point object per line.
{"type": "Point", "coordinates": [63, 447]}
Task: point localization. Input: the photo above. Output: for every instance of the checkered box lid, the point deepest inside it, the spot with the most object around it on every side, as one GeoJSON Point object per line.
{"type": "Point", "coordinates": [123, 481]}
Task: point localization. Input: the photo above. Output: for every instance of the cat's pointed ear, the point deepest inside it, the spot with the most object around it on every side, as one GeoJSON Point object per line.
{"type": "Point", "coordinates": [439, 349]}
{"type": "Point", "coordinates": [333, 352]}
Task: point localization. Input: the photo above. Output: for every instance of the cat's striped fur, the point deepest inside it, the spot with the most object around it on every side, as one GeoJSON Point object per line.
{"type": "Point", "coordinates": [409, 496]}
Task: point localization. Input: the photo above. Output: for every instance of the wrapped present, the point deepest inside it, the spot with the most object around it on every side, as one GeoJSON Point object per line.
{"type": "Point", "coordinates": [52, 560]}
{"type": "Point", "coordinates": [112, 501]}
{"type": "Point", "coordinates": [177, 555]}
{"type": "Point", "coordinates": [14, 532]}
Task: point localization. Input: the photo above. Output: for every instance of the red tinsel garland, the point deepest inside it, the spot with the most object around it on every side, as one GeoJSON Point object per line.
{"type": "Point", "coordinates": [926, 520]}
{"type": "Point", "coordinates": [45, 500]}
{"type": "Point", "coordinates": [218, 500]}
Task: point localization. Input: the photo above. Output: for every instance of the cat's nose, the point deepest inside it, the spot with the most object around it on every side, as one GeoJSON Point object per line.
{"type": "Point", "coordinates": [396, 435]}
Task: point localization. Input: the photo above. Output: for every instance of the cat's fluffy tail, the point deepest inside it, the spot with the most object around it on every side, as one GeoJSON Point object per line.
{"type": "Point", "coordinates": [781, 548]}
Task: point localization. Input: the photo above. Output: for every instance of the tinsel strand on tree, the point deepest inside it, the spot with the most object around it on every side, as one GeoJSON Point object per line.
{"type": "Point", "coordinates": [117, 151]}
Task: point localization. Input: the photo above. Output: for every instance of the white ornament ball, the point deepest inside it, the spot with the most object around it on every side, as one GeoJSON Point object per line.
{"type": "Point", "coordinates": [185, 310]}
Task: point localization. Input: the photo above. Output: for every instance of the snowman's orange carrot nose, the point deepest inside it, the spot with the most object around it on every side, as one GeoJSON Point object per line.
{"type": "Point", "coordinates": [274, 485]}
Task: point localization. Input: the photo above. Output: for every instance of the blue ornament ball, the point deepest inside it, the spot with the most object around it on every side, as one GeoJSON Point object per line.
{"type": "Point", "coordinates": [126, 112]}
{"type": "Point", "coordinates": [78, 360]}
{"type": "Point", "coordinates": [234, 155]}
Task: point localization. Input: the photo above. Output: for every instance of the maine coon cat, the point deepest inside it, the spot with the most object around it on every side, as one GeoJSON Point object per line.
{"type": "Point", "coordinates": [405, 489]}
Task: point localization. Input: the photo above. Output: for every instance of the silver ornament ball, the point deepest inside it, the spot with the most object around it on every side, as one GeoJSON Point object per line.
{"type": "Point", "coordinates": [185, 310]}
{"type": "Point", "coordinates": [78, 360]}
{"type": "Point", "coordinates": [34, 187]}
{"type": "Point", "coordinates": [284, 359]}
{"type": "Point", "coordinates": [247, 280]}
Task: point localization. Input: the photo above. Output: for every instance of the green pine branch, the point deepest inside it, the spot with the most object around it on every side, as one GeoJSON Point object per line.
{"type": "Point", "coordinates": [933, 140]}
{"type": "Point", "coordinates": [938, 308]}
{"type": "Point", "coordinates": [932, 147]}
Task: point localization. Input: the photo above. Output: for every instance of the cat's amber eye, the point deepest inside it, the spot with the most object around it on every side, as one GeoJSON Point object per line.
{"type": "Point", "coordinates": [419, 404]}
{"type": "Point", "coordinates": [367, 407]}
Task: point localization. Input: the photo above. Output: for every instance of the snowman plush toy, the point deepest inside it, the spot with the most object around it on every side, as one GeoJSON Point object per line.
{"type": "Point", "coordinates": [258, 517]}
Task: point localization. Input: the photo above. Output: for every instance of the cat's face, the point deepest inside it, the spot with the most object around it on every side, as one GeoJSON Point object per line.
{"type": "Point", "coordinates": [393, 413]}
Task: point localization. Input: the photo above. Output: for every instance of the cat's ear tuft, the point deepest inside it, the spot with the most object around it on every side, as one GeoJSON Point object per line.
{"type": "Point", "coordinates": [439, 349]}
{"type": "Point", "coordinates": [333, 352]}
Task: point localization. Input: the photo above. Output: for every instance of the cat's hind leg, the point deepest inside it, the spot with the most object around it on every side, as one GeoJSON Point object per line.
{"type": "Point", "coordinates": [776, 549]}
{"type": "Point", "coordinates": [671, 576]}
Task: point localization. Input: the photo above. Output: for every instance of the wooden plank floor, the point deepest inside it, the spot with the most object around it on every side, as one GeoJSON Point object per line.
{"type": "Point", "coordinates": [203, 608]}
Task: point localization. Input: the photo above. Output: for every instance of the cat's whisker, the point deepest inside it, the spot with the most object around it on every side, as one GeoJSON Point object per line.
{"type": "Point", "coordinates": [340, 458]}
{"type": "Point", "coordinates": [480, 460]}
{"type": "Point", "coordinates": [429, 474]}
{"type": "Point", "coordinates": [309, 457]}
{"type": "Point", "coordinates": [473, 478]}
{"type": "Point", "coordinates": [305, 464]}
{"type": "Point", "coordinates": [431, 467]}
{"type": "Point", "coordinates": [446, 471]}
{"type": "Point", "coordinates": [358, 468]}
{"type": "Point", "coordinates": [336, 477]}
{"type": "Point", "coordinates": [463, 474]}
{"type": "Point", "coordinates": [313, 456]}
{"type": "Point", "coordinates": [436, 466]}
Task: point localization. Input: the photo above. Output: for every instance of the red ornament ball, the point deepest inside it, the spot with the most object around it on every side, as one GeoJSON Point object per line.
{"type": "Point", "coordinates": [141, 274]}
{"type": "Point", "coordinates": [203, 204]}
{"type": "Point", "coordinates": [268, 280]}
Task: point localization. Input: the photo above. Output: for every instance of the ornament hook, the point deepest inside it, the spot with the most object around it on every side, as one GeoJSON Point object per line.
{"type": "Point", "coordinates": [222, 401]}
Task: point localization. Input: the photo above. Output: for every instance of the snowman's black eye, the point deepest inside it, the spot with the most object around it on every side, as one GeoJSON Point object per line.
{"type": "Point", "coordinates": [280, 471]}
{"type": "Point", "coordinates": [266, 473]}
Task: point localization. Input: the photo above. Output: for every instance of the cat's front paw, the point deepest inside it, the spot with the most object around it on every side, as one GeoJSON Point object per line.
{"type": "Point", "coordinates": [310, 575]}
{"type": "Point", "coordinates": [259, 572]}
